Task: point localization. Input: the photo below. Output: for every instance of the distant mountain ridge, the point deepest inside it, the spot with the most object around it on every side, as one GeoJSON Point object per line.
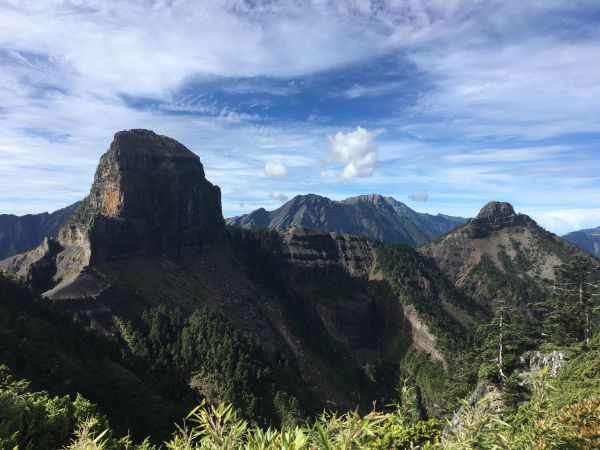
{"type": "Point", "coordinates": [588, 240]}
{"type": "Point", "coordinates": [374, 216]}
{"type": "Point", "coordinates": [22, 233]}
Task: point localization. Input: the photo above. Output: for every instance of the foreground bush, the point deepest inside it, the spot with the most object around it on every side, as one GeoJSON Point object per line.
{"type": "Point", "coordinates": [36, 420]}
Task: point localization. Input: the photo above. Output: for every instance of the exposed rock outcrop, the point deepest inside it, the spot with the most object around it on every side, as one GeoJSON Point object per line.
{"type": "Point", "coordinates": [36, 267]}
{"type": "Point", "coordinates": [532, 362]}
{"type": "Point", "coordinates": [149, 196]}
{"type": "Point", "coordinates": [500, 256]}
{"type": "Point", "coordinates": [495, 216]}
{"type": "Point", "coordinates": [354, 317]}
{"type": "Point", "coordinates": [308, 247]}
{"type": "Point", "coordinates": [486, 397]}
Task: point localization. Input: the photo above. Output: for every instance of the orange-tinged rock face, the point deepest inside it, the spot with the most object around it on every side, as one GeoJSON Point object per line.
{"type": "Point", "coordinates": [150, 194]}
{"type": "Point", "coordinates": [112, 202]}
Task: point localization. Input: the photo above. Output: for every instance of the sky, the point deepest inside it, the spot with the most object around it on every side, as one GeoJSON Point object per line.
{"type": "Point", "coordinates": [441, 104]}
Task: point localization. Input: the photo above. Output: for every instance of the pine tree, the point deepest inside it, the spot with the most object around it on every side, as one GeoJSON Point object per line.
{"type": "Point", "coordinates": [502, 340]}
{"type": "Point", "coordinates": [570, 313]}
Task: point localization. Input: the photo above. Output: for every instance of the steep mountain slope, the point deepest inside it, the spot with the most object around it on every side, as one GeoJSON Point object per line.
{"type": "Point", "coordinates": [588, 240]}
{"type": "Point", "coordinates": [374, 216]}
{"type": "Point", "coordinates": [58, 355]}
{"type": "Point", "coordinates": [280, 322]}
{"type": "Point", "coordinates": [22, 233]}
{"type": "Point", "coordinates": [149, 196]}
{"type": "Point", "coordinates": [500, 257]}
{"type": "Point", "coordinates": [148, 249]}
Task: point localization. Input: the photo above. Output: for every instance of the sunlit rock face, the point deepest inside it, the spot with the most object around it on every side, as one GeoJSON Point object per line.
{"type": "Point", "coordinates": [149, 195]}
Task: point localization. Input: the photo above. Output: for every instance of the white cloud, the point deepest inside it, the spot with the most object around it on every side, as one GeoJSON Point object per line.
{"type": "Point", "coordinates": [151, 47]}
{"type": "Point", "coordinates": [279, 196]}
{"type": "Point", "coordinates": [357, 150]}
{"type": "Point", "coordinates": [534, 87]}
{"type": "Point", "coordinates": [419, 197]}
{"type": "Point", "coordinates": [275, 169]}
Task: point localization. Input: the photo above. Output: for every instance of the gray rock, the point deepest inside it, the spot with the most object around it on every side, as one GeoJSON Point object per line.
{"type": "Point", "coordinates": [532, 362]}
{"type": "Point", "coordinates": [485, 397]}
{"type": "Point", "coordinates": [149, 196]}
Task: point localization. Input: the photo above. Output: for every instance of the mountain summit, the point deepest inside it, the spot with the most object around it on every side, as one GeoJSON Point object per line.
{"type": "Point", "coordinates": [494, 211]}
{"type": "Point", "coordinates": [149, 196]}
{"type": "Point", "coordinates": [374, 216]}
{"type": "Point", "coordinates": [500, 256]}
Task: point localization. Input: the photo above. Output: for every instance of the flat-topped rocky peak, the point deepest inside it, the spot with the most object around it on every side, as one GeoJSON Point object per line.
{"type": "Point", "coordinates": [149, 194]}
{"type": "Point", "coordinates": [149, 143]}
{"type": "Point", "coordinates": [494, 211]}
{"type": "Point", "coordinates": [140, 163]}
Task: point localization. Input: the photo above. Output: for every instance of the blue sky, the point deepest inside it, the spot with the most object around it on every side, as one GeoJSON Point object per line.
{"type": "Point", "coordinates": [442, 104]}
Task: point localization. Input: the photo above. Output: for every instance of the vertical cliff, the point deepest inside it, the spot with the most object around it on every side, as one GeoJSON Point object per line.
{"type": "Point", "coordinates": [149, 195]}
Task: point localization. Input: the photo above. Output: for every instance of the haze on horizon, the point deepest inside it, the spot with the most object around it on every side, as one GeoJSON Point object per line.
{"type": "Point", "coordinates": [443, 105]}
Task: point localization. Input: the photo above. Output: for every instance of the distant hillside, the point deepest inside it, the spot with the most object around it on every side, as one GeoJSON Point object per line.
{"type": "Point", "coordinates": [375, 216]}
{"type": "Point", "coordinates": [588, 240]}
{"type": "Point", "coordinates": [500, 257]}
{"type": "Point", "coordinates": [22, 233]}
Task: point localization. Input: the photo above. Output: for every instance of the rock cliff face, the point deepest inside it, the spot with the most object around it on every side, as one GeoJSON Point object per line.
{"type": "Point", "coordinates": [303, 246]}
{"type": "Point", "coordinates": [36, 267]}
{"type": "Point", "coordinates": [356, 314]}
{"type": "Point", "coordinates": [495, 216]}
{"type": "Point", "coordinates": [149, 196]}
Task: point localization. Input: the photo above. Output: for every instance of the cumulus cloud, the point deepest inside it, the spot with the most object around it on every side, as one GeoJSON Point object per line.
{"type": "Point", "coordinates": [275, 169]}
{"type": "Point", "coordinates": [419, 197]}
{"type": "Point", "coordinates": [357, 150]}
{"type": "Point", "coordinates": [280, 196]}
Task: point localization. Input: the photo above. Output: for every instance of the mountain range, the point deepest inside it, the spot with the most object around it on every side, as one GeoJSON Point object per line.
{"type": "Point", "coordinates": [22, 233]}
{"type": "Point", "coordinates": [588, 239]}
{"type": "Point", "coordinates": [281, 319]}
{"type": "Point", "coordinates": [374, 216]}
